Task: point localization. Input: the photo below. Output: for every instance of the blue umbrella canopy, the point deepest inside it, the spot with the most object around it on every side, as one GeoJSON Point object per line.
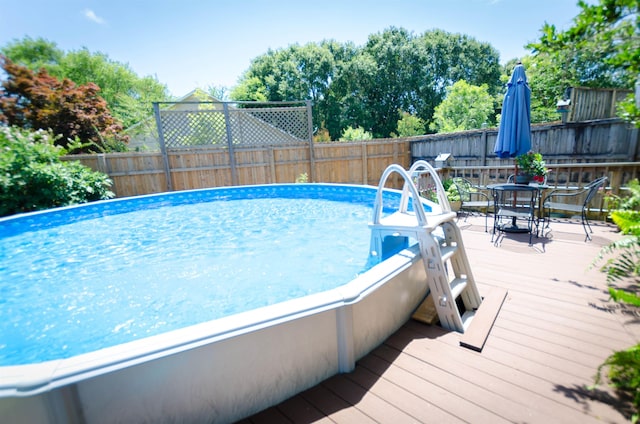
{"type": "Point", "coordinates": [514, 134]}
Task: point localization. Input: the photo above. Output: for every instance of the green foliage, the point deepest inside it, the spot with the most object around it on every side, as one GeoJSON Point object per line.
{"type": "Point", "coordinates": [547, 87]}
{"type": "Point", "coordinates": [625, 213]}
{"type": "Point", "coordinates": [32, 177]}
{"type": "Point", "coordinates": [250, 89]}
{"type": "Point", "coordinates": [599, 50]}
{"type": "Point", "coordinates": [450, 189]}
{"type": "Point", "coordinates": [626, 263]}
{"type": "Point", "coordinates": [532, 164]}
{"type": "Point", "coordinates": [630, 201]}
{"type": "Point", "coordinates": [452, 192]}
{"type": "Point", "coordinates": [394, 70]}
{"type": "Point", "coordinates": [355, 134]}
{"type": "Point", "coordinates": [624, 373]}
{"type": "Point", "coordinates": [128, 96]}
{"type": "Point", "coordinates": [35, 54]}
{"type": "Point", "coordinates": [218, 92]}
{"type": "Point", "coordinates": [465, 107]}
{"type": "Point", "coordinates": [629, 110]}
{"type": "Point", "coordinates": [40, 101]}
{"type": "Point", "coordinates": [624, 366]}
{"type": "Point", "coordinates": [410, 125]}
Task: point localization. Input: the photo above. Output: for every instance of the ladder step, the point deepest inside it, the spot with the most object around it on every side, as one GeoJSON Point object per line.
{"type": "Point", "coordinates": [467, 318]}
{"type": "Point", "coordinates": [457, 287]}
{"type": "Point", "coordinates": [446, 252]}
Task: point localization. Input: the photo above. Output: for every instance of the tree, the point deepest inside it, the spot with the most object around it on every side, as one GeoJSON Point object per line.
{"type": "Point", "coordinates": [35, 54]}
{"type": "Point", "coordinates": [250, 89]}
{"type": "Point", "coordinates": [128, 96]}
{"type": "Point", "coordinates": [75, 113]}
{"type": "Point", "coordinates": [218, 92]}
{"type": "Point", "coordinates": [293, 74]}
{"type": "Point", "coordinates": [601, 49]}
{"type": "Point", "coordinates": [465, 107]}
{"type": "Point", "coordinates": [366, 86]}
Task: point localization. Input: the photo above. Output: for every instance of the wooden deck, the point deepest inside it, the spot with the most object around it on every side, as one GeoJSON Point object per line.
{"type": "Point", "coordinates": [554, 329]}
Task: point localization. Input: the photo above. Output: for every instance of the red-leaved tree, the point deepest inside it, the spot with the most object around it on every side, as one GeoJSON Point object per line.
{"type": "Point", "coordinates": [39, 101]}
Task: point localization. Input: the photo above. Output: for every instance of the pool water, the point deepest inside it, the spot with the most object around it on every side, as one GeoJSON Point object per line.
{"type": "Point", "coordinates": [116, 277]}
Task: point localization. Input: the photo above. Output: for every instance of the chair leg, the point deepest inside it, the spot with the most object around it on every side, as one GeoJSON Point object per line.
{"type": "Point", "coordinates": [586, 225]}
{"type": "Point", "coordinates": [486, 221]}
{"type": "Point", "coordinates": [547, 216]}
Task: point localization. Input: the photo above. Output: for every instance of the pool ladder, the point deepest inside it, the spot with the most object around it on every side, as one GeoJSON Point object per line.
{"type": "Point", "coordinates": [451, 283]}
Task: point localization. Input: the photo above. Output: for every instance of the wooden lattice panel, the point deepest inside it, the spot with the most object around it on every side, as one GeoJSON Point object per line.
{"type": "Point", "coordinates": [239, 126]}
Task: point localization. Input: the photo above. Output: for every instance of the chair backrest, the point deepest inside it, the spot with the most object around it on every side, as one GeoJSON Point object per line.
{"type": "Point", "coordinates": [592, 188]}
{"type": "Point", "coordinates": [520, 195]}
{"type": "Point", "coordinates": [464, 188]}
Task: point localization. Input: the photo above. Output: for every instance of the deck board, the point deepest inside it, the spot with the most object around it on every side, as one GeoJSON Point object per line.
{"type": "Point", "coordinates": [556, 325]}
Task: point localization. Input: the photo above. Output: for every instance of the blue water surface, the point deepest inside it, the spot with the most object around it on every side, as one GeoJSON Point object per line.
{"type": "Point", "coordinates": [79, 279]}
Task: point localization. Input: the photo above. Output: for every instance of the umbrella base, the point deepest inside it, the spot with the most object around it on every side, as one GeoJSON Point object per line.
{"type": "Point", "coordinates": [513, 229]}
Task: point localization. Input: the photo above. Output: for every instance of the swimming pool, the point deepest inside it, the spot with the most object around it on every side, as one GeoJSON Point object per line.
{"type": "Point", "coordinates": [214, 367]}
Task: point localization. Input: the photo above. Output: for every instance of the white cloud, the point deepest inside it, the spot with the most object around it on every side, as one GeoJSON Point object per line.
{"type": "Point", "coordinates": [91, 15]}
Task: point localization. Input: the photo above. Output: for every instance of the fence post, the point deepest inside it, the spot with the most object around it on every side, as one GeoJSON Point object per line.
{"type": "Point", "coordinates": [232, 156]}
{"type": "Point", "coordinates": [483, 140]}
{"type": "Point", "coordinates": [163, 147]}
{"type": "Point", "coordinates": [312, 162]}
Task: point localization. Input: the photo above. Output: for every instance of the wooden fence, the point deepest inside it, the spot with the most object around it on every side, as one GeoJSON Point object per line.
{"type": "Point", "coordinates": [590, 145]}
{"type": "Point", "coordinates": [606, 140]}
{"type": "Point", "coordinates": [594, 103]}
{"type": "Point", "coordinates": [192, 168]}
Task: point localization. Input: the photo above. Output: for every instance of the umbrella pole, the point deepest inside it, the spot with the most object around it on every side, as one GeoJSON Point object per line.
{"type": "Point", "coordinates": [515, 177]}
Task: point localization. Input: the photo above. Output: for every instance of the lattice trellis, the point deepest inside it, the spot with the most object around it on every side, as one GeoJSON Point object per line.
{"type": "Point", "coordinates": [247, 125]}
{"type": "Point", "coordinates": [193, 128]}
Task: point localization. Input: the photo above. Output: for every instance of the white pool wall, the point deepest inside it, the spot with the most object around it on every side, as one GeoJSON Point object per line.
{"type": "Point", "coordinates": [224, 370]}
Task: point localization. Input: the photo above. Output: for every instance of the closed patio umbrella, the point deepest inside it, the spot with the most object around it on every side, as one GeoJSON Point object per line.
{"type": "Point", "coordinates": [514, 133]}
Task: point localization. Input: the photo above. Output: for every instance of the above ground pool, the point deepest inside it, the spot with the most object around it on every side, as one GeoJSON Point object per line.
{"type": "Point", "coordinates": [91, 293]}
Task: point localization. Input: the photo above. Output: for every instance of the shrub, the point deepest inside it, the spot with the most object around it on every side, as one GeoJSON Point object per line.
{"type": "Point", "coordinates": [32, 176]}
{"type": "Point", "coordinates": [355, 134]}
{"type": "Point", "coordinates": [410, 125]}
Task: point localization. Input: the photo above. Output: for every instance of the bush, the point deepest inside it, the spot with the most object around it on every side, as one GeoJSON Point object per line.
{"type": "Point", "coordinates": [32, 176]}
{"type": "Point", "coordinates": [355, 134]}
{"type": "Point", "coordinates": [410, 125]}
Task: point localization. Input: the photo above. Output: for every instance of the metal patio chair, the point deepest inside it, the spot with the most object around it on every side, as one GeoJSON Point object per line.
{"type": "Point", "coordinates": [472, 199]}
{"type": "Point", "coordinates": [558, 200]}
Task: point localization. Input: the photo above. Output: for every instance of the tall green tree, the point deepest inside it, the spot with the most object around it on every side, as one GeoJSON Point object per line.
{"type": "Point", "coordinates": [465, 107]}
{"type": "Point", "coordinates": [367, 86]}
{"type": "Point", "coordinates": [292, 74]}
{"type": "Point", "coordinates": [35, 54]}
{"type": "Point", "coordinates": [129, 96]}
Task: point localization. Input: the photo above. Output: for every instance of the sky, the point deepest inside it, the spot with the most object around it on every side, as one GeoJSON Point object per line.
{"type": "Point", "coordinates": [187, 44]}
